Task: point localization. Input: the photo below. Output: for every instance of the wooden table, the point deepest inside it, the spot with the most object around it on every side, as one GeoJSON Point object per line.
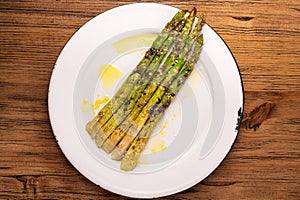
{"type": "Point", "coordinates": [264, 37]}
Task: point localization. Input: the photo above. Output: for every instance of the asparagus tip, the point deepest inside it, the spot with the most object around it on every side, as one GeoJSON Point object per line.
{"type": "Point", "coordinates": [194, 10]}
{"type": "Point", "coordinates": [202, 20]}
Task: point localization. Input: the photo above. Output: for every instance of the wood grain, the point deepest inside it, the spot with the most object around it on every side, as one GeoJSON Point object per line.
{"type": "Point", "coordinates": [264, 37]}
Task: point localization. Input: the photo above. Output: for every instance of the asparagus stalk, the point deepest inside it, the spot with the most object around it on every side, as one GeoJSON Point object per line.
{"type": "Point", "coordinates": [162, 76]}
{"type": "Point", "coordinates": [106, 112]}
{"type": "Point", "coordinates": [126, 108]}
{"type": "Point", "coordinates": [170, 67]}
{"type": "Point", "coordinates": [131, 157]}
{"type": "Point", "coordinates": [134, 129]}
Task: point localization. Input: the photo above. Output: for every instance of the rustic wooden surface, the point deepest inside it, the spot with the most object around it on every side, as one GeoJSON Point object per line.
{"type": "Point", "coordinates": [264, 37]}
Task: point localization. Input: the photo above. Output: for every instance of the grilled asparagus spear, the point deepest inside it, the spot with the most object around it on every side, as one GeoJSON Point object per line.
{"type": "Point", "coordinates": [162, 76]}
{"type": "Point", "coordinates": [169, 68]}
{"type": "Point", "coordinates": [131, 157]}
{"type": "Point", "coordinates": [125, 108]}
{"type": "Point", "coordinates": [106, 112]}
{"type": "Point", "coordinates": [134, 129]}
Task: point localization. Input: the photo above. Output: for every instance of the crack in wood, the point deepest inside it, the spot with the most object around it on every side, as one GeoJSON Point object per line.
{"type": "Point", "coordinates": [5, 167]}
{"type": "Point", "coordinates": [29, 184]}
{"type": "Point", "coordinates": [245, 18]}
{"type": "Point", "coordinates": [257, 116]}
{"type": "Point", "coordinates": [206, 183]}
{"type": "Point", "coordinates": [190, 190]}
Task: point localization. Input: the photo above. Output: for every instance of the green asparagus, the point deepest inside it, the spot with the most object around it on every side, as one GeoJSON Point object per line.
{"type": "Point", "coordinates": [162, 76]}
{"type": "Point", "coordinates": [106, 112]}
{"type": "Point", "coordinates": [139, 122]}
{"type": "Point", "coordinates": [114, 121]}
{"type": "Point", "coordinates": [131, 157]}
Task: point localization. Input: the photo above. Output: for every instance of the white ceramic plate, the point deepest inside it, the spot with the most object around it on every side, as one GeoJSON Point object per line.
{"type": "Point", "coordinates": [198, 129]}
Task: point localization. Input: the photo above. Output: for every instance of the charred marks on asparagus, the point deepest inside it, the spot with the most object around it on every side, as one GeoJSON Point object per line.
{"type": "Point", "coordinates": [152, 109]}
{"type": "Point", "coordinates": [100, 114]}
{"type": "Point", "coordinates": [150, 53]}
{"type": "Point", "coordinates": [257, 116]}
{"type": "Point", "coordinates": [147, 54]}
{"type": "Point", "coordinates": [158, 53]}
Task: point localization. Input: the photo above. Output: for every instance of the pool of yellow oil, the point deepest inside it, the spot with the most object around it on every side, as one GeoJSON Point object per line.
{"type": "Point", "coordinates": [109, 75]}
{"type": "Point", "coordinates": [195, 78]}
{"type": "Point", "coordinates": [158, 145]}
{"type": "Point", "coordinates": [133, 42]}
{"type": "Point", "coordinates": [159, 142]}
{"type": "Point", "coordinates": [98, 102]}
{"type": "Point", "coordinates": [87, 106]}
